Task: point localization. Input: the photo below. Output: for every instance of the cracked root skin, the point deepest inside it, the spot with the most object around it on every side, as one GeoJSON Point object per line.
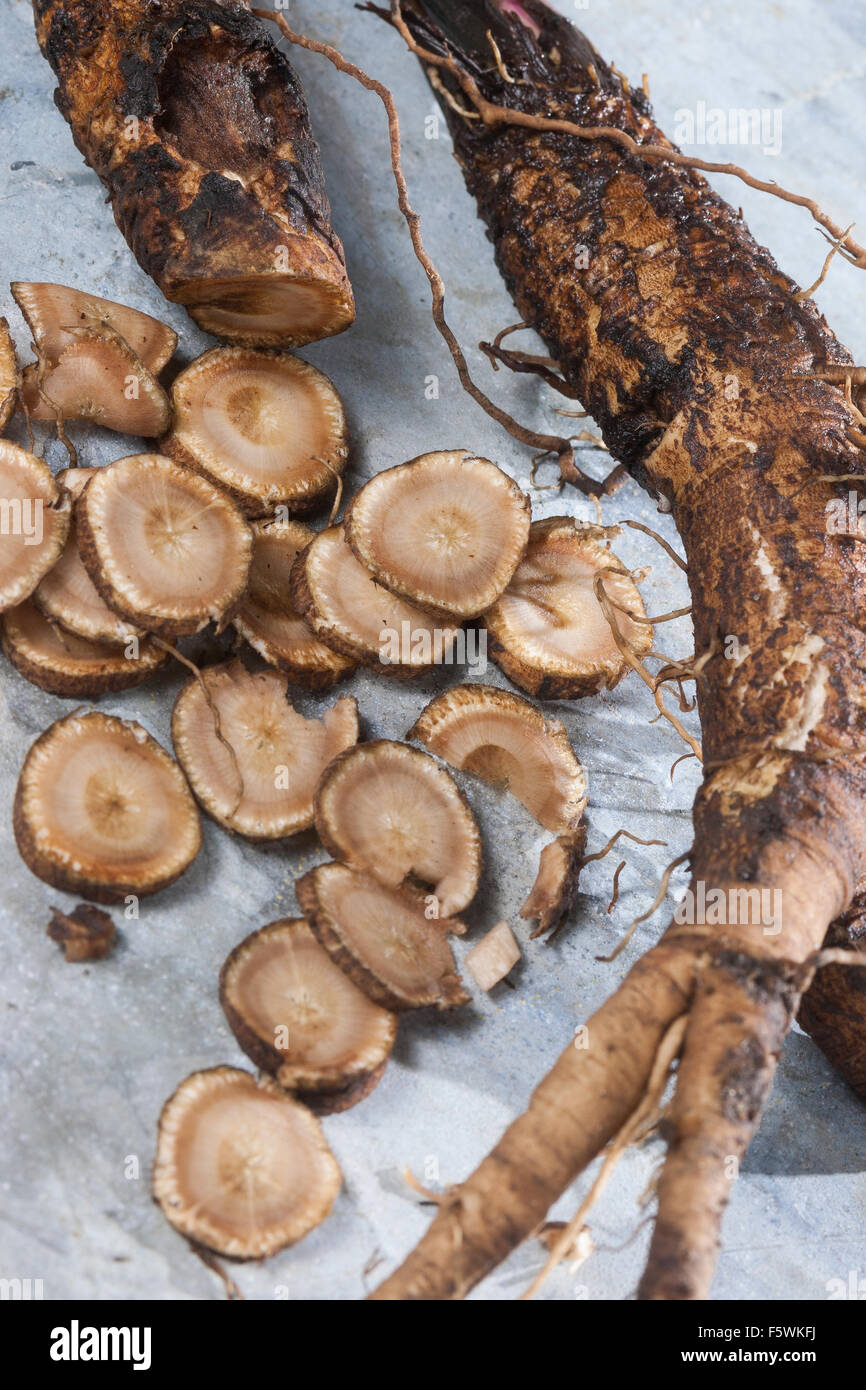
{"type": "Point", "coordinates": [197, 125]}
{"type": "Point", "coordinates": [685, 342]}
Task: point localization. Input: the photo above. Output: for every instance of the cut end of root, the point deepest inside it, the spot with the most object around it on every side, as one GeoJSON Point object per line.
{"type": "Point", "coordinates": [552, 895]}
{"type": "Point", "coordinates": [266, 426]}
{"type": "Point", "coordinates": [506, 741]}
{"type": "Point", "coordinates": [103, 811]}
{"type": "Point", "coordinates": [393, 811]}
{"type": "Point", "coordinates": [381, 938]}
{"type": "Point", "coordinates": [299, 1017]}
{"type": "Point", "coordinates": [241, 1168]}
{"type": "Point", "coordinates": [280, 311]}
{"type": "Point", "coordinates": [445, 531]}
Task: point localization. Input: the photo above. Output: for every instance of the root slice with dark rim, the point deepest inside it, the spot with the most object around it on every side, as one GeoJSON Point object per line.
{"type": "Point", "coordinates": [355, 615]}
{"type": "Point", "coordinates": [70, 666]}
{"type": "Point", "coordinates": [100, 379]}
{"type": "Point", "coordinates": [266, 426]}
{"type": "Point", "coordinates": [381, 938]}
{"type": "Point", "coordinates": [35, 512]}
{"type": "Point", "coordinates": [506, 741]}
{"type": "Point", "coordinates": [297, 1016]}
{"type": "Point", "coordinates": [10, 377]}
{"type": "Point", "coordinates": [252, 760]}
{"type": "Point", "coordinates": [55, 312]}
{"type": "Point", "coordinates": [267, 617]}
{"type": "Point", "coordinates": [393, 811]}
{"type": "Point", "coordinates": [241, 1167]}
{"type": "Point", "coordinates": [552, 895]}
{"type": "Point", "coordinates": [549, 634]}
{"type": "Point", "coordinates": [446, 531]}
{"type": "Point", "coordinates": [103, 811]}
{"type": "Point", "coordinates": [166, 549]}
{"type": "Point", "coordinates": [67, 594]}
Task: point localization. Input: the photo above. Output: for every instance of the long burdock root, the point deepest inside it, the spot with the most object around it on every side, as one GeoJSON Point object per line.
{"type": "Point", "coordinates": [707, 374]}
{"type": "Point", "coordinates": [833, 1009]}
{"type": "Point", "coordinates": [197, 126]}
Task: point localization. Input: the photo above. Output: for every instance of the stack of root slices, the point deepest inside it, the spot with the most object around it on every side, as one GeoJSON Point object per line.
{"type": "Point", "coordinates": [106, 569]}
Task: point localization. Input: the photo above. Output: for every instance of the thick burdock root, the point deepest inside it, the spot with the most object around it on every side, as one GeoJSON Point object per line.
{"type": "Point", "coordinates": [690, 348]}
{"type": "Point", "coordinates": [197, 126]}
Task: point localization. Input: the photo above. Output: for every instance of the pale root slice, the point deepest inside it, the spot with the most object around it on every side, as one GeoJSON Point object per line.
{"type": "Point", "coordinates": [266, 426]}
{"type": "Point", "coordinates": [506, 741]}
{"type": "Point", "coordinates": [166, 549]}
{"type": "Point", "coordinates": [393, 811]}
{"type": "Point", "coordinates": [103, 811]}
{"type": "Point", "coordinates": [100, 379]}
{"type": "Point", "coordinates": [10, 376]}
{"type": "Point", "coordinates": [552, 895]}
{"type": "Point", "coordinates": [252, 760]}
{"type": "Point", "coordinates": [549, 633]}
{"type": "Point", "coordinates": [267, 617]}
{"type": "Point", "coordinates": [68, 596]}
{"type": "Point", "coordinates": [381, 938]}
{"type": "Point", "coordinates": [34, 522]}
{"type": "Point", "coordinates": [71, 666]}
{"type": "Point", "coordinates": [355, 615]}
{"type": "Point", "coordinates": [241, 1167]}
{"type": "Point", "coordinates": [493, 957]}
{"type": "Point", "coordinates": [54, 314]}
{"type": "Point", "coordinates": [297, 1016]}
{"type": "Point", "coordinates": [446, 531]}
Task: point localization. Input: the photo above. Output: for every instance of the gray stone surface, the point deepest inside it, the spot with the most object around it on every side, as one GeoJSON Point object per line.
{"type": "Point", "coordinates": [90, 1053]}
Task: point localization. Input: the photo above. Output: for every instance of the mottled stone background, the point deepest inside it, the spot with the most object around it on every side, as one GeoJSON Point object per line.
{"type": "Point", "coordinates": [90, 1054]}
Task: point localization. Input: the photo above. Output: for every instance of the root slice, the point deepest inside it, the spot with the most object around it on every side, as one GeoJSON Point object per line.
{"type": "Point", "coordinates": [36, 515]}
{"type": "Point", "coordinates": [10, 376]}
{"type": "Point", "coordinates": [298, 1017]}
{"type": "Point", "coordinates": [55, 313]}
{"type": "Point", "coordinates": [240, 1167]}
{"type": "Point", "coordinates": [68, 596]}
{"type": "Point", "coordinates": [381, 938]}
{"type": "Point", "coordinates": [256, 773]}
{"type": "Point", "coordinates": [268, 619]}
{"type": "Point", "coordinates": [393, 811]}
{"type": "Point", "coordinates": [103, 811]}
{"type": "Point", "coordinates": [58, 661]}
{"type": "Point", "coordinates": [166, 549]}
{"type": "Point", "coordinates": [445, 531]}
{"type": "Point", "coordinates": [266, 426]}
{"type": "Point", "coordinates": [493, 957]}
{"type": "Point", "coordinates": [98, 378]}
{"type": "Point", "coordinates": [506, 741]}
{"type": "Point", "coordinates": [549, 634]}
{"type": "Point", "coordinates": [353, 614]}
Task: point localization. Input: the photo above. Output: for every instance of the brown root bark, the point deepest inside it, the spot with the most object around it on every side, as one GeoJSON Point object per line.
{"type": "Point", "coordinates": [707, 372]}
{"type": "Point", "coordinates": [197, 126]}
